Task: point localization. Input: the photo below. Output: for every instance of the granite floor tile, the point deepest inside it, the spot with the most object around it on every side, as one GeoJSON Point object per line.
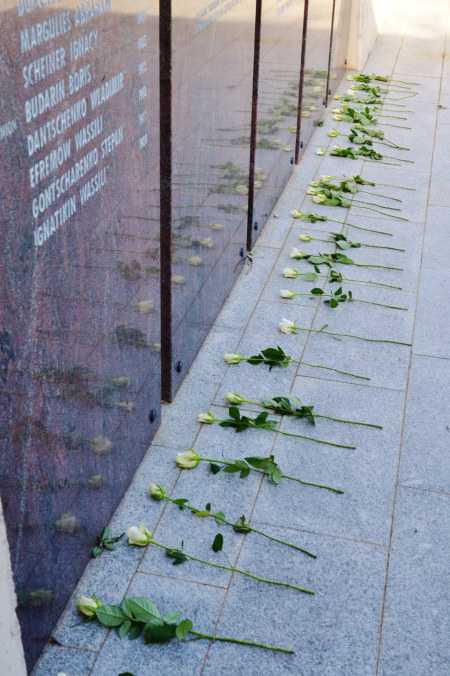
{"type": "Point", "coordinates": [333, 632]}
{"type": "Point", "coordinates": [209, 365]}
{"type": "Point", "coordinates": [416, 619]}
{"type": "Point", "coordinates": [366, 474]}
{"type": "Point", "coordinates": [436, 245]}
{"type": "Point", "coordinates": [263, 331]}
{"type": "Point", "coordinates": [56, 659]}
{"type": "Point", "coordinates": [199, 603]}
{"type": "Point", "coordinates": [386, 365]}
{"type": "Point", "coordinates": [193, 394]}
{"type": "Point", "coordinates": [426, 435]}
{"type": "Point", "coordinates": [439, 194]}
{"type": "Point", "coordinates": [239, 306]}
{"type": "Point", "coordinates": [431, 335]}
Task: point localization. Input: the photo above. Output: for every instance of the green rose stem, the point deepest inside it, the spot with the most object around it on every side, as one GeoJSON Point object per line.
{"type": "Point", "coordinates": [316, 366]}
{"type": "Point", "coordinates": [245, 528]}
{"type": "Point", "coordinates": [351, 300]}
{"type": "Point", "coordinates": [372, 246]}
{"type": "Point", "coordinates": [389, 144]}
{"type": "Point", "coordinates": [348, 335]}
{"type": "Point", "coordinates": [316, 415]}
{"type": "Point", "coordinates": [346, 279]}
{"type": "Point", "coordinates": [236, 640]}
{"type": "Point", "coordinates": [284, 476]}
{"type": "Point", "coordinates": [312, 218]}
{"type": "Point", "coordinates": [232, 569]}
{"type": "Point", "coordinates": [289, 434]}
{"type": "Point", "coordinates": [358, 265]}
{"type": "Point", "coordinates": [389, 185]}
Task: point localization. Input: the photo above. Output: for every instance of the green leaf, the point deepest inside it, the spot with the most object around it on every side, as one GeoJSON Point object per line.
{"type": "Point", "coordinates": [256, 461]}
{"type": "Point", "coordinates": [241, 464]}
{"type": "Point", "coordinates": [125, 608]}
{"type": "Point", "coordinates": [136, 631]}
{"type": "Point", "coordinates": [143, 609]}
{"type": "Point", "coordinates": [126, 673]}
{"type": "Point", "coordinates": [215, 469]}
{"type": "Point", "coordinates": [208, 507]}
{"type": "Point", "coordinates": [220, 517]}
{"type": "Point", "coordinates": [180, 501]}
{"type": "Point", "coordinates": [96, 552]}
{"type": "Point", "coordinates": [158, 633]}
{"type": "Point", "coordinates": [317, 292]}
{"type": "Point", "coordinates": [111, 616]}
{"type": "Point", "coordinates": [183, 628]}
{"type": "Point", "coordinates": [310, 277]}
{"type": "Point", "coordinates": [244, 473]}
{"type": "Point", "coordinates": [333, 302]}
{"type": "Point", "coordinates": [217, 545]}
{"type": "Point", "coordinates": [277, 476]}
{"type": "Point", "coordinates": [106, 533]}
{"type": "Point", "coordinates": [172, 616]}
{"type": "Point", "coordinates": [179, 557]}
{"type": "Point", "coordinates": [234, 413]}
{"type": "Point", "coordinates": [125, 628]}
{"type": "Point", "coordinates": [231, 469]}
{"type": "Point", "coordinates": [201, 513]}
{"type": "Point", "coordinates": [110, 547]}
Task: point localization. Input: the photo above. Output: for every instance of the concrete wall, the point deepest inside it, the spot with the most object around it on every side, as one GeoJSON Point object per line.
{"type": "Point", "coordinates": [366, 19]}
{"type": "Point", "coordinates": [12, 662]}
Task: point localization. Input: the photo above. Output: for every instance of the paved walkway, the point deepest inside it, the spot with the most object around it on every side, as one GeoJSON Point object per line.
{"type": "Point", "coordinates": [381, 579]}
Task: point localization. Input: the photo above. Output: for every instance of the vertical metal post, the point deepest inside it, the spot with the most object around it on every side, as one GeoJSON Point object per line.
{"type": "Point", "coordinates": [302, 77]}
{"type": "Point", "coordinates": [165, 173]}
{"type": "Point", "coordinates": [329, 55]}
{"type": "Point", "coordinates": [254, 124]}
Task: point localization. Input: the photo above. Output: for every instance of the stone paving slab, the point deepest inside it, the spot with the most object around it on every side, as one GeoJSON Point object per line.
{"type": "Point", "coordinates": [380, 578]}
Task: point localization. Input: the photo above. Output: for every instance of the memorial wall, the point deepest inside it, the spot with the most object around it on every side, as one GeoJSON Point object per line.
{"type": "Point", "coordinates": [80, 309]}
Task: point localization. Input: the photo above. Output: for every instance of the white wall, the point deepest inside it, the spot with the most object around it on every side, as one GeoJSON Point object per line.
{"type": "Point", "coordinates": [366, 19]}
{"type": "Point", "coordinates": [11, 652]}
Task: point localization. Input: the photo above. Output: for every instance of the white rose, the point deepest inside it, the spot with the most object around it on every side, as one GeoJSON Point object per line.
{"type": "Point", "coordinates": [232, 358]}
{"type": "Point", "coordinates": [350, 92]}
{"type": "Point", "coordinates": [205, 418]}
{"type": "Point", "coordinates": [319, 199]}
{"type": "Point", "coordinates": [320, 151]}
{"type": "Point", "coordinates": [296, 253]}
{"type": "Point", "coordinates": [337, 148]}
{"type": "Point", "coordinates": [296, 213]}
{"type": "Point", "coordinates": [286, 326]}
{"type": "Point", "coordinates": [178, 279]}
{"type": "Point", "coordinates": [337, 117]}
{"type": "Point", "coordinates": [314, 184]}
{"type": "Point", "coordinates": [290, 273]}
{"type": "Point", "coordinates": [333, 133]}
{"type": "Point", "coordinates": [350, 78]}
{"type": "Point", "coordinates": [87, 606]}
{"type": "Point", "coordinates": [337, 97]}
{"type": "Point", "coordinates": [326, 178]}
{"type": "Point", "coordinates": [337, 110]}
{"type": "Point", "coordinates": [157, 491]}
{"type": "Point", "coordinates": [234, 398]}
{"type": "Point", "coordinates": [305, 237]}
{"type": "Point", "coordinates": [139, 536]}
{"type": "Point", "coordinates": [207, 242]}
{"type": "Point", "coordinates": [242, 190]}
{"type": "Point", "coordinates": [187, 460]}
{"type": "Point", "coordinates": [286, 293]}
{"type": "Point", "coordinates": [311, 191]}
